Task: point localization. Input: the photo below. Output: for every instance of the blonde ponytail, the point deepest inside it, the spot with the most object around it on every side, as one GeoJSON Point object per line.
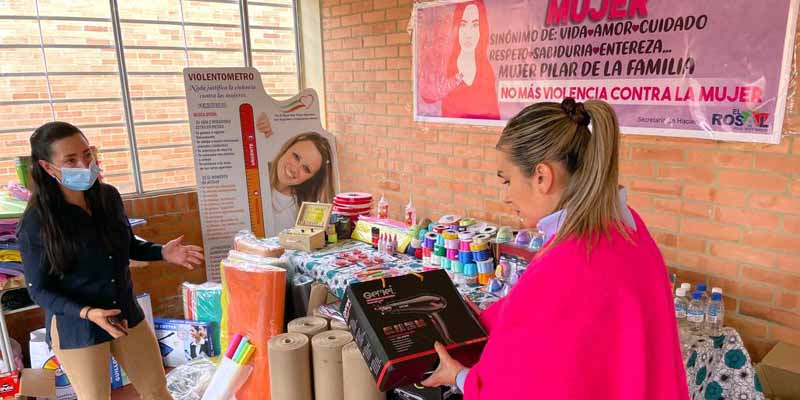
{"type": "Point", "coordinates": [559, 133]}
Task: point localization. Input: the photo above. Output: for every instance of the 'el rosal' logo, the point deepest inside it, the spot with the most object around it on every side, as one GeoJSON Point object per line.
{"type": "Point", "coordinates": [749, 119]}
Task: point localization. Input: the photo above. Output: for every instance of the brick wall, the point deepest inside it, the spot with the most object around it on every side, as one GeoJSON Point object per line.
{"type": "Point", "coordinates": [724, 213]}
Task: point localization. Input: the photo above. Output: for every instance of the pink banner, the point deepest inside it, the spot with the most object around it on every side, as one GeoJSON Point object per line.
{"type": "Point", "coordinates": [707, 69]}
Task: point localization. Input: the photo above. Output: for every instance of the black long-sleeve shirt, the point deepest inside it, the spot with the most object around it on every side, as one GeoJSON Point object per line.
{"type": "Point", "coordinates": [99, 277]}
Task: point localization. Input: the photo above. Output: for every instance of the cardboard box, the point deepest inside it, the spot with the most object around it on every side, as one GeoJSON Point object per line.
{"type": "Point", "coordinates": [309, 231]}
{"type": "Point", "coordinates": [395, 322]}
{"type": "Point", "coordinates": [43, 359]}
{"type": "Point", "coordinates": [779, 372]}
{"type": "Point", "coordinates": [181, 341]}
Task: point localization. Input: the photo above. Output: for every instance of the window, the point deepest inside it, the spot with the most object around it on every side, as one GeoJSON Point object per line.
{"type": "Point", "coordinates": [60, 61]}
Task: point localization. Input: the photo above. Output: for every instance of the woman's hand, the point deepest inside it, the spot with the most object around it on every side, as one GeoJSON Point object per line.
{"type": "Point", "coordinates": [448, 368]}
{"type": "Point", "coordinates": [101, 318]}
{"type": "Point", "coordinates": [177, 253]}
{"type": "Point", "coordinates": [263, 126]}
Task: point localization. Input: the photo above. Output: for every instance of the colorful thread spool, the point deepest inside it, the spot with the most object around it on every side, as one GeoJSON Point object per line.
{"type": "Point", "coordinates": [485, 271]}
{"type": "Point", "coordinates": [484, 237]}
{"type": "Point", "coordinates": [452, 254]}
{"type": "Point", "coordinates": [481, 255]}
{"type": "Point", "coordinates": [439, 228]}
{"type": "Point", "coordinates": [505, 235]}
{"type": "Point", "coordinates": [457, 267]}
{"type": "Point", "coordinates": [467, 222]}
{"type": "Point", "coordinates": [430, 240]}
{"type": "Point", "coordinates": [451, 244]}
{"type": "Point", "coordinates": [470, 274]}
{"type": "Point", "coordinates": [465, 257]}
{"type": "Point", "coordinates": [488, 230]}
{"type": "Point", "coordinates": [523, 238]}
{"type": "Point", "coordinates": [446, 264]}
{"type": "Point", "coordinates": [465, 245]}
{"type": "Point", "coordinates": [478, 246]}
{"type": "Point", "coordinates": [439, 251]}
{"type": "Point", "coordinates": [422, 233]}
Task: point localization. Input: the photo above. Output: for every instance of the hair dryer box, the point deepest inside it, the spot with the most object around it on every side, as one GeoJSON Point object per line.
{"type": "Point", "coordinates": [395, 322]}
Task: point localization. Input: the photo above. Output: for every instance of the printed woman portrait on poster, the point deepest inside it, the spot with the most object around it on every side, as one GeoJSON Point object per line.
{"type": "Point", "coordinates": [661, 64]}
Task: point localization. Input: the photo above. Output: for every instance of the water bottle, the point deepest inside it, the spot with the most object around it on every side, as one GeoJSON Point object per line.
{"type": "Point", "coordinates": [695, 314]}
{"type": "Point", "coordinates": [687, 286]}
{"type": "Point", "coordinates": [716, 290]}
{"type": "Point", "coordinates": [701, 287]}
{"type": "Point", "coordinates": [715, 313]}
{"type": "Point", "coordinates": [681, 307]}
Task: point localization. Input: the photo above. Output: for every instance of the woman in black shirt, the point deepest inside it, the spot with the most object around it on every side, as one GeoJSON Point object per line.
{"type": "Point", "coordinates": [76, 244]}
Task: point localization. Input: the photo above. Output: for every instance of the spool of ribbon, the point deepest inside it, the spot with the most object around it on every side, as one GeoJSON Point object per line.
{"type": "Point", "coordinates": [483, 237]}
{"type": "Point", "coordinates": [450, 235]}
{"type": "Point", "coordinates": [485, 267]}
{"type": "Point", "coordinates": [465, 245]}
{"type": "Point", "coordinates": [422, 233]}
{"type": "Point", "coordinates": [467, 222]}
{"type": "Point", "coordinates": [488, 230]}
{"type": "Point", "coordinates": [446, 264]}
{"type": "Point", "coordinates": [430, 240]}
{"type": "Point", "coordinates": [439, 228]}
{"type": "Point", "coordinates": [465, 236]}
{"type": "Point", "coordinates": [505, 235]}
{"type": "Point", "coordinates": [449, 219]}
{"type": "Point", "coordinates": [465, 257]}
{"type": "Point", "coordinates": [451, 244]}
{"type": "Point", "coordinates": [440, 251]}
{"type": "Point", "coordinates": [523, 238]}
{"type": "Point", "coordinates": [457, 267]}
{"type": "Point", "coordinates": [452, 254]}
{"type": "Point", "coordinates": [470, 270]}
{"type": "Point", "coordinates": [481, 255]}
{"type": "Point", "coordinates": [479, 246]}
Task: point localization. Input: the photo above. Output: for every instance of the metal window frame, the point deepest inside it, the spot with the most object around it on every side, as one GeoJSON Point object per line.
{"type": "Point", "coordinates": [126, 99]}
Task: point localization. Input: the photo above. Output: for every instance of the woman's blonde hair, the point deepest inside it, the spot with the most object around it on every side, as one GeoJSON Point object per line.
{"type": "Point", "coordinates": [560, 133]}
{"type": "Point", "coordinates": [318, 188]}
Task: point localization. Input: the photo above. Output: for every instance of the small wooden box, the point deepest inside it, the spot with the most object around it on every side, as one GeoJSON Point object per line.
{"type": "Point", "coordinates": [309, 231]}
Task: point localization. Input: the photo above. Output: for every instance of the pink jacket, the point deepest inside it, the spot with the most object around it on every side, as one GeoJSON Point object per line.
{"type": "Point", "coordinates": [584, 327]}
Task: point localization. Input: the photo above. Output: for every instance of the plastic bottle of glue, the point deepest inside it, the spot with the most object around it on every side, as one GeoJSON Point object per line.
{"type": "Point", "coordinates": [383, 208]}
{"type": "Point", "coordinates": [411, 214]}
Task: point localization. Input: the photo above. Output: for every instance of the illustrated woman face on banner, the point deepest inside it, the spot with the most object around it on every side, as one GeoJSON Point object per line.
{"type": "Point", "coordinates": [469, 30]}
{"type": "Point", "coordinates": [303, 168]}
{"type": "Point", "coordinates": [474, 94]}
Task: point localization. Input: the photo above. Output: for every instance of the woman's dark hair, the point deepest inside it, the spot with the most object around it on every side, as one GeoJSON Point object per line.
{"type": "Point", "coordinates": [59, 235]}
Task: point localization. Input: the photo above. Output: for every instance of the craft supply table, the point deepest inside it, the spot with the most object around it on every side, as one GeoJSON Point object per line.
{"type": "Point", "coordinates": [719, 367]}
{"type": "Point", "coordinates": [351, 261]}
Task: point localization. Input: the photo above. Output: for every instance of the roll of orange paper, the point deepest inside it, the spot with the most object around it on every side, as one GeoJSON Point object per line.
{"type": "Point", "coordinates": [255, 303]}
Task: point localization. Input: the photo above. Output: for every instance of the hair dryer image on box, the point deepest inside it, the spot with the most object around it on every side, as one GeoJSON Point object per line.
{"type": "Point", "coordinates": [426, 304]}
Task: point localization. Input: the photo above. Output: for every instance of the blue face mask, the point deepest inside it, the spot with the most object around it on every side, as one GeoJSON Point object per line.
{"type": "Point", "coordinates": [79, 179]}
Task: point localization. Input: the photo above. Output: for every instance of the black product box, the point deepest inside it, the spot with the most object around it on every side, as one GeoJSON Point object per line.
{"type": "Point", "coordinates": [418, 392]}
{"type": "Point", "coordinates": [395, 322]}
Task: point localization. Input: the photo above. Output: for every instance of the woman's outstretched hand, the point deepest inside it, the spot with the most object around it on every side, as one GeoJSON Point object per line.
{"type": "Point", "coordinates": [177, 253]}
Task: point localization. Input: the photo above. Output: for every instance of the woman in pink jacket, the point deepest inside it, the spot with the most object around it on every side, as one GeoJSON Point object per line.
{"type": "Point", "coordinates": [592, 317]}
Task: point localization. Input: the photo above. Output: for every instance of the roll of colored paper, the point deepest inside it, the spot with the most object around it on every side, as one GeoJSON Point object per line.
{"type": "Point", "coordinates": [255, 305]}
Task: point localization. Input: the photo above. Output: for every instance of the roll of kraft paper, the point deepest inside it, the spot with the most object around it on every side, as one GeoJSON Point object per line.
{"type": "Point", "coordinates": [337, 325]}
{"type": "Point", "coordinates": [326, 351]}
{"type": "Point", "coordinates": [360, 383]}
{"type": "Point", "coordinates": [292, 381]}
{"type": "Point", "coordinates": [308, 326]}
{"type": "Point", "coordinates": [255, 300]}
